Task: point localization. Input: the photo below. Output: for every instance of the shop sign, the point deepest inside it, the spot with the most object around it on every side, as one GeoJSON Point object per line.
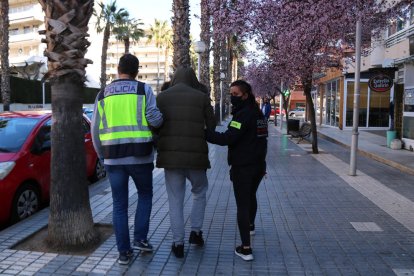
{"type": "Point", "coordinates": [380, 83]}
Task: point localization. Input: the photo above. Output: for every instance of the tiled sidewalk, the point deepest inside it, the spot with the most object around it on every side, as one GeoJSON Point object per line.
{"type": "Point", "coordinates": [313, 219]}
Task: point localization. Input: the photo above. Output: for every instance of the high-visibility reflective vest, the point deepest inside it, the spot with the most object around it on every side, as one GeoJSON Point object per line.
{"type": "Point", "coordinates": [123, 128]}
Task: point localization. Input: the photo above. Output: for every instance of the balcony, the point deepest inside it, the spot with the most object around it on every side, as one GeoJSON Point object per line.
{"type": "Point", "coordinates": [32, 37]}
{"type": "Point", "coordinates": [399, 36]}
{"type": "Point", "coordinates": [25, 14]}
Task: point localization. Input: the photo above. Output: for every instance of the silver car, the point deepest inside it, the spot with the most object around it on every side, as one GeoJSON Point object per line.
{"type": "Point", "coordinates": [297, 112]}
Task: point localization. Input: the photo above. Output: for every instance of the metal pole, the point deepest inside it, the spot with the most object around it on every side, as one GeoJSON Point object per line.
{"type": "Point", "coordinates": [199, 66]}
{"type": "Point", "coordinates": [43, 94]}
{"type": "Point", "coordinates": [158, 70]}
{"type": "Point", "coordinates": [281, 106]}
{"type": "Point", "coordinates": [221, 101]}
{"type": "Point", "coordinates": [354, 145]}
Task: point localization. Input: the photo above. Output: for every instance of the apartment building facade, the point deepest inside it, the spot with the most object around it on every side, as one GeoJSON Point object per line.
{"type": "Point", "coordinates": [26, 50]}
{"type": "Point", "coordinates": [391, 55]}
{"type": "Point", "coordinates": [155, 65]}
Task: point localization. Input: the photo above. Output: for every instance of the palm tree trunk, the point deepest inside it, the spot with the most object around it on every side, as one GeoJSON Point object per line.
{"type": "Point", "coordinates": [126, 44]}
{"type": "Point", "coordinates": [181, 33]}
{"type": "Point", "coordinates": [206, 38]}
{"type": "Point", "coordinates": [104, 55]}
{"type": "Point", "coordinates": [4, 48]}
{"type": "Point", "coordinates": [70, 219]}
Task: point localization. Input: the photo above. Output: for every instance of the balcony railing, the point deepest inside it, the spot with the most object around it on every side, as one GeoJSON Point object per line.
{"type": "Point", "coordinates": [31, 13]}
{"type": "Point", "coordinates": [399, 36]}
{"type": "Point", "coordinates": [25, 37]}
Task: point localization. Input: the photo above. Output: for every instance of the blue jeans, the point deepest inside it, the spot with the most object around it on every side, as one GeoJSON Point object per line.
{"type": "Point", "coordinates": [119, 175]}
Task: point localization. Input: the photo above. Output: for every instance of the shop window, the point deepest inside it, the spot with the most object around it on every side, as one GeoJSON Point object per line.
{"type": "Point", "coordinates": [409, 100]}
{"type": "Point", "coordinates": [408, 127]}
{"type": "Point", "coordinates": [379, 109]}
{"type": "Point", "coordinates": [363, 104]}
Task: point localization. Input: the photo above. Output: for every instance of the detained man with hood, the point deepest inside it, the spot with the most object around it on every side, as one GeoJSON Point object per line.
{"type": "Point", "coordinates": [183, 152]}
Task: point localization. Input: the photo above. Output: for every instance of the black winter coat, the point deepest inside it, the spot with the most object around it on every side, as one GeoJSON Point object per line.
{"type": "Point", "coordinates": [246, 136]}
{"type": "Point", "coordinates": [181, 142]}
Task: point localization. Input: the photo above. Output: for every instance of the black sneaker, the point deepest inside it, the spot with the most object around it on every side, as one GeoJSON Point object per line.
{"type": "Point", "coordinates": [143, 246]}
{"type": "Point", "coordinates": [125, 257]}
{"type": "Point", "coordinates": [245, 254]}
{"type": "Point", "coordinates": [196, 238]}
{"type": "Point", "coordinates": [178, 250]}
{"type": "Point", "coordinates": [252, 232]}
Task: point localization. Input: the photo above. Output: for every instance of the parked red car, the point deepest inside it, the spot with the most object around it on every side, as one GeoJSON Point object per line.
{"type": "Point", "coordinates": [275, 110]}
{"type": "Point", "coordinates": [25, 162]}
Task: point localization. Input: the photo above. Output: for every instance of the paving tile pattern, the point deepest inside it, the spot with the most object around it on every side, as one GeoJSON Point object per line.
{"type": "Point", "coordinates": [313, 219]}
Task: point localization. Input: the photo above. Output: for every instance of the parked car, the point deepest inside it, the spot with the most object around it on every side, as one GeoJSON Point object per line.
{"type": "Point", "coordinates": [88, 112]}
{"type": "Point", "coordinates": [273, 111]}
{"type": "Point", "coordinates": [297, 112]}
{"type": "Point", "coordinates": [25, 162]}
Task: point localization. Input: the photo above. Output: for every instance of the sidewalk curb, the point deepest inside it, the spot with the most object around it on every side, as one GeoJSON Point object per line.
{"type": "Point", "coordinates": [371, 155]}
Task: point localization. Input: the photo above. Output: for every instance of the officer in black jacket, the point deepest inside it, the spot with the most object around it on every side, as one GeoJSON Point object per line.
{"type": "Point", "coordinates": [246, 137]}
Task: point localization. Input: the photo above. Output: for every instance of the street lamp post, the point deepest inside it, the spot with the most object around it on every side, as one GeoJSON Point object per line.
{"type": "Point", "coordinates": [222, 78]}
{"type": "Point", "coordinates": [354, 142]}
{"type": "Point", "coordinates": [199, 48]}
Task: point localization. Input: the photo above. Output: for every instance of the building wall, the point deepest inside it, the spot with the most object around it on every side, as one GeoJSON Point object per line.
{"type": "Point", "coordinates": [149, 58]}
{"type": "Point", "coordinates": [27, 18]}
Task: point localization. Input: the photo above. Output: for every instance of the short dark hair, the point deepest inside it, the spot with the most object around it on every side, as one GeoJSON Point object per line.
{"type": "Point", "coordinates": [128, 64]}
{"type": "Point", "coordinates": [245, 87]}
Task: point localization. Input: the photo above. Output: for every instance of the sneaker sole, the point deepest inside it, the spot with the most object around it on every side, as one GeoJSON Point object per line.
{"type": "Point", "coordinates": [143, 248]}
{"type": "Point", "coordinates": [194, 243]}
{"type": "Point", "coordinates": [252, 233]}
{"type": "Point", "coordinates": [245, 257]}
{"type": "Point", "coordinates": [123, 262]}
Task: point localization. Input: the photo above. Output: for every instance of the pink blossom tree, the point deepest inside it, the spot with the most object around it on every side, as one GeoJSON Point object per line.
{"type": "Point", "coordinates": [304, 37]}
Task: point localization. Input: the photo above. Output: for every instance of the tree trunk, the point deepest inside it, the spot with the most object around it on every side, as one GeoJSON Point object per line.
{"type": "Point", "coordinates": [126, 44]}
{"type": "Point", "coordinates": [307, 88]}
{"type": "Point", "coordinates": [106, 35]}
{"type": "Point", "coordinates": [4, 48]}
{"type": "Point", "coordinates": [205, 36]}
{"type": "Point", "coordinates": [216, 77]}
{"type": "Point", "coordinates": [181, 33]}
{"type": "Point", "coordinates": [70, 219]}
{"type": "Point", "coordinates": [224, 66]}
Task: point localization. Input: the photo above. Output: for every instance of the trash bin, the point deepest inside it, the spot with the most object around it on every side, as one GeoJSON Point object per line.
{"type": "Point", "coordinates": [391, 135]}
{"type": "Point", "coordinates": [293, 124]}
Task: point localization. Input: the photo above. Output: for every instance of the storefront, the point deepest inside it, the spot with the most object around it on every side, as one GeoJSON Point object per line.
{"type": "Point", "coordinates": [408, 118]}
{"type": "Point", "coordinates": [374, 107]}
{"type": "Point", "coordinates": [336, 93]}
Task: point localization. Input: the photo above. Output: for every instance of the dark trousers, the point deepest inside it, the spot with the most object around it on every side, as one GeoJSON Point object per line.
{"type": "Point", "coordinates": [246, 180]}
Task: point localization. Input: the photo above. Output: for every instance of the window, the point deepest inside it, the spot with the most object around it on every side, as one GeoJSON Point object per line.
{"type": "Point", "coordinates": [14, 31]}
{"type": "Point", "coordinates": [409, 100]}
{"type": "Point", "coordinates": [401, 22]}
{"type": "Point", "coordinates": [27, 29]}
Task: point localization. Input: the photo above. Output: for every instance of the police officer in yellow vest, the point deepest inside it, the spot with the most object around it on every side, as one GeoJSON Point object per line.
{"type": "Point", "coordinates": [123, 114]}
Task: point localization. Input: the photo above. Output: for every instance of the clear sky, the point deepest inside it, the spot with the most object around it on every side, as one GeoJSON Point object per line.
{"type": "Point", "coordinates": [148, 10]}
